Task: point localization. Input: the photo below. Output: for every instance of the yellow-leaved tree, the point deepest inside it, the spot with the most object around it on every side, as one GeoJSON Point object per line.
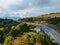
{"type": "Point", "coordinates": [8, 40]}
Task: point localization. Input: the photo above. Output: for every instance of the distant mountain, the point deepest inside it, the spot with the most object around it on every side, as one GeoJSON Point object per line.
{"type": "Point", "coordinates": [13, 18]}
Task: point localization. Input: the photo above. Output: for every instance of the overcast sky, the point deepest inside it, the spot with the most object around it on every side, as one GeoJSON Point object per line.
{"type": "Point", "coordinates": [27, 8]}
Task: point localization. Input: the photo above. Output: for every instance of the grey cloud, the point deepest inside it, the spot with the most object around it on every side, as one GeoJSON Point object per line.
{"type": "Point", "coordinates": [28, 4]}
{"type": "Point", "coordinates": [29, 8]}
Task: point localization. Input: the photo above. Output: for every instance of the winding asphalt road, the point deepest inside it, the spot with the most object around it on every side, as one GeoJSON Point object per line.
{"type": "Point", "coordinates": [53, 33]}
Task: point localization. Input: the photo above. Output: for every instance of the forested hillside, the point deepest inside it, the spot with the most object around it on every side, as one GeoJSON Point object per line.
{"type": "Point", "coordinates": [7, 22]}
{"type": "Point", "coordinates": [55, 20]}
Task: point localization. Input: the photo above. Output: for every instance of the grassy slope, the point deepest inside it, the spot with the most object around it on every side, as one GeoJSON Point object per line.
{"type": "Point", "coordinates": [51, 15]}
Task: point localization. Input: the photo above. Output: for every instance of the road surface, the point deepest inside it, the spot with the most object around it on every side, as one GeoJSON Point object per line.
{"type": "Point", "coordinates": [52, 32]}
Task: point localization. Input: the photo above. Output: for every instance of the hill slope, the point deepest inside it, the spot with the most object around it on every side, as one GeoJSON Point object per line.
{"type": "Point", "coordinates": [51, 15]}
